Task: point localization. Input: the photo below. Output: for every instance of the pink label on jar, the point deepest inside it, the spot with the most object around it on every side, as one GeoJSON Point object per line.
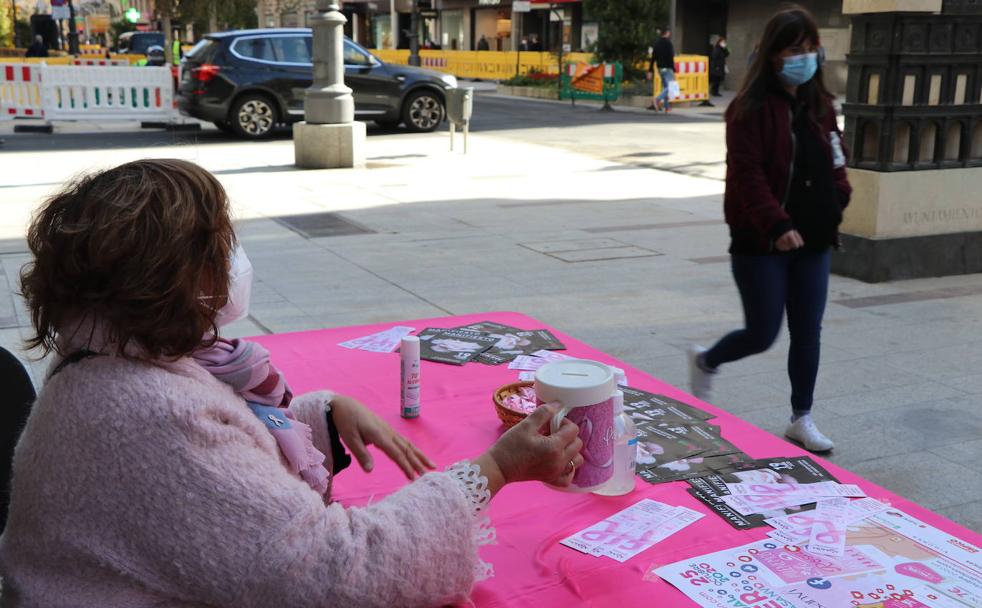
{"type": "Point", "coordinates": [596, 424]}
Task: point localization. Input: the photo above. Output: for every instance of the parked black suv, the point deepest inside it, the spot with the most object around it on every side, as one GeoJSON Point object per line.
{"type": "Point", "coordinates": [248, 81]}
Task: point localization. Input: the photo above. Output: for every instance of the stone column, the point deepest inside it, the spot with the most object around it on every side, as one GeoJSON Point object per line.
{"type": "Point", "coordinates": [914, 131]}
{"type": "Point", "coordinates": [329, 137]}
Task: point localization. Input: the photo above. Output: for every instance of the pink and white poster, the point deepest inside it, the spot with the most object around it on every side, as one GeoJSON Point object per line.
{"type": "Point", "coordinates": [890, 560]}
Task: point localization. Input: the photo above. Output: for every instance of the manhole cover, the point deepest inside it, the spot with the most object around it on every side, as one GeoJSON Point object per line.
{"type": "Point", "coordinates": [317, 225]}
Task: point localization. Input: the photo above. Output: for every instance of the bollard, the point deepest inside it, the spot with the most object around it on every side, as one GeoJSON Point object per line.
{"type": "Point", "coordinates": [460, 107]}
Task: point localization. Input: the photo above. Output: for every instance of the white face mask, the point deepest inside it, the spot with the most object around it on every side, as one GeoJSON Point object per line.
{"type": "Point", "coordinates": [239, 289]}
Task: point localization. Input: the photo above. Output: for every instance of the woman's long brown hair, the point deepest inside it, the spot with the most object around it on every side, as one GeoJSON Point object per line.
{"type": "Point", "coordinates": [790, 26]}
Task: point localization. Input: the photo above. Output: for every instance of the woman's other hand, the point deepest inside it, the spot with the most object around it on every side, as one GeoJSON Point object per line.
{"type": "Point", "coordinates": [359, 427]}
{"type": "Point", "coordinates": [789, 241]}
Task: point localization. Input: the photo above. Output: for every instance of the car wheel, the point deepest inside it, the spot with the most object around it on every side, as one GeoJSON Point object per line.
{"type": "Point", "coordinates": [253, 116]}
{"type": "Point", "coordinates": [224, 126]}
{"type": "Point", "coordinates": [423, 111]}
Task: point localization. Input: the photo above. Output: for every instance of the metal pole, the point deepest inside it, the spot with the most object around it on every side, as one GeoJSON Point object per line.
{"type": "Point", "coordinates": [672, 13]}
{"type": "Point", "coordinates": [393, 24]}
{"type": "Point", "coordinates": [414, 35]}
{"type": "Point", "coordinates": [562, 30]}
{"type": "Point", "coordinates": [72, 31]}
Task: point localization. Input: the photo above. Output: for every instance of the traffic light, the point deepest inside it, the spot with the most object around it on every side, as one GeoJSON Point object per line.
{"type": "Point", "coordinates": [132, 15]}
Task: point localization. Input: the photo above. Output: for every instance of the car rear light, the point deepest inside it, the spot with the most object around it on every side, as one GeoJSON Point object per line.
{"type": "Point", "coordinates": [205, 72]}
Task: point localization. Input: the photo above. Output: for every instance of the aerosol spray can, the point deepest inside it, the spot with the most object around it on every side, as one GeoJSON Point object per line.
{"type": "Point", "coordinates": [409, 393]}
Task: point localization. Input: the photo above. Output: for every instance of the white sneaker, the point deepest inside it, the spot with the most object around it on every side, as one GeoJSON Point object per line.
{"type": "Point", "coordinates": [700, 381]}
{"type": "Point", "coordinates": [804, 431]}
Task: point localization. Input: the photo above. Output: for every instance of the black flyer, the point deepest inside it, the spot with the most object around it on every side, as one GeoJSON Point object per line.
{"type": "Point", "coordinates": [454, 346]}
{"type": "Point", "coordinates": [644, 406]}
{"type": "Point", "coordinates": [799, 469]}
{"type": "Point", "coordinates": [694, 466]}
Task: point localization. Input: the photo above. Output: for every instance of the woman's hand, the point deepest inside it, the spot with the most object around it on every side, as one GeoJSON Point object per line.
{"type": "Point", "coordinates": [359, 427]}
{"type": "Point", "coordinates": [789, 241]}
{"type": "Point", "coordinates": [524, 453]}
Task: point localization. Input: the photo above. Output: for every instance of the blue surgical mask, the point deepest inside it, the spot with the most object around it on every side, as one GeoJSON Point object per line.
{"type": "Point", "coordinates": [799, 69]}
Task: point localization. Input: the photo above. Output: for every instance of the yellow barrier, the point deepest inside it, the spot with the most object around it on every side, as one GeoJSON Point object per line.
{"type": "Point", "coordinates": [692, 74]}
{"type": "Point", "coordinates": [66, 60]}
{"type": "Point", "coordinates": [484, 65]}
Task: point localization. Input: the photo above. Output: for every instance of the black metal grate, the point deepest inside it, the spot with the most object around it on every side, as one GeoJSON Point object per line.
{"type": "Point", "coordinates": [316, 225]}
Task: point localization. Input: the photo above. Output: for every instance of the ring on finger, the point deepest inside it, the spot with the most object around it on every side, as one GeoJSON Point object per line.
{"type": "Point", "coordinates": [571, 468]}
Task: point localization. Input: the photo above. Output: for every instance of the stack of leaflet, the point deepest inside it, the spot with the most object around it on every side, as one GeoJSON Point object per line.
{"type": "Point", "coordinates": [486, 342]}
{"type": "Point", "coordinates": [712, 490]}
{"type": "Point", "coordinates": [674, 440]}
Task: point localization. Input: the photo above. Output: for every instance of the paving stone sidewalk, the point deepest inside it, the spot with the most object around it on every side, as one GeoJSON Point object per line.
{"type": "Point", "coordinates": [629, 259]}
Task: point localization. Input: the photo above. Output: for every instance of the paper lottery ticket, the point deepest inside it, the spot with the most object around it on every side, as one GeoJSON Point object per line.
{"type": "Point", "coordinates": [789, 538]}
{"type": "Point", "coordinates": [863, 508]}
{"type": "Point", "coordinates": [527, 363]}
{"type": "Point", "coordinates": [821, 489]}
{"type": "Point", "coordinates": [526, 376]}
{"type": "Point", "coordinates": [632, 531]}
{"type": "Point", "coordinates": [856, 511]}
{"type": "Point", "coordinates": [380, 342]}
{"type": "Point", "coordinates": [616, 524]}
{"type": "Point", "coordinates": [388, 341]}
{"type": "Point", "coordinates": [551, 356]}
{"type": "Point", "coordinates": [751, 504]}
{"type": "Point", "coordinates": [828, 534]}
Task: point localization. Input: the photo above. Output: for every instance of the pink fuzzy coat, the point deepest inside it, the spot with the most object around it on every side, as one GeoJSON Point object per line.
{"type": "Point", "coordinates": [137, 485]}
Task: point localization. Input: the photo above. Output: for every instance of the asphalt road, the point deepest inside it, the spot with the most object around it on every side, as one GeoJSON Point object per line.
{"type": "Point", "coordinates": [678, 142]}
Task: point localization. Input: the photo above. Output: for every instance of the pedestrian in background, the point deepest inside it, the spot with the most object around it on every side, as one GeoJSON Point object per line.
{"type": "Point", "coordinates": [663, 57]}
{"type": "Point", "coordinates": [786, 189]}
{"type": "Point", "coordinates": [482, 44]}
{"type": "Point", "coordinates": [37, 48]}
{"type": "Point", "coordinates": [717, 66]}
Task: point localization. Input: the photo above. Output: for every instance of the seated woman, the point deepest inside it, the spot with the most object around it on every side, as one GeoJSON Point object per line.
{"type": "Point", "coordinates": [165, 466]}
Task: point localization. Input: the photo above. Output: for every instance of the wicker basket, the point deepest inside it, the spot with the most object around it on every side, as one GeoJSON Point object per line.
{"type": "Point", "coordinates": [508, 416]}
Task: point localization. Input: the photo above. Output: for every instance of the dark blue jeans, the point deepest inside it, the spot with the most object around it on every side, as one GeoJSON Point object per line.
{"type": "Point", "coordinates": [770, 284]}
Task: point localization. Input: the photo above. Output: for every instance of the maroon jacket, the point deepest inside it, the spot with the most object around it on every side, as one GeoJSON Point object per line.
{"type": "Point", "coordinates": [759, 156]}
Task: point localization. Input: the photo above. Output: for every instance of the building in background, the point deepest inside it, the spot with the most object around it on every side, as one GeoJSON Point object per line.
{"type": "Point", "coordinates": [699, 22]}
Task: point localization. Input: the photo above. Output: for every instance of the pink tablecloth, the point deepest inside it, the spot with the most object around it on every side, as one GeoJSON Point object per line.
{"type": "Point", "coordinates": [458, 421]}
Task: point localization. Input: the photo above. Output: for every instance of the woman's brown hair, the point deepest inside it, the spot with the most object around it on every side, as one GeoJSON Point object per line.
{"type": "Point", "coordinates": [790, 26]}
{"type": "Point", "coordinates": [141, 250]}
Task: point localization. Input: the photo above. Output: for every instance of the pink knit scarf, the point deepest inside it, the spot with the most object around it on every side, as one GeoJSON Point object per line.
{"type": "Point", "coordinates": [245, 366]}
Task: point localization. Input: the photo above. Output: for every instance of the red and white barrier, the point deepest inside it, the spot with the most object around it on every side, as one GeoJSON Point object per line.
{"type": "Point", "coordinates": [116, 92]}
{"type": "Point", "coordinates": [434, 62]}
{"type": "Point", "coordinates": [691, 67]}
{"type": "Point", "coordinates": [112, 92]}
{"type": "Point", "coordinates": [100, 62]}
{"type": "Point", "coordinates": [20, 91]}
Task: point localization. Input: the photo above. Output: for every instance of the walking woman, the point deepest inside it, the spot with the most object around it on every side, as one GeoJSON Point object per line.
{"type": "Point", "coordinates": [786, 189]}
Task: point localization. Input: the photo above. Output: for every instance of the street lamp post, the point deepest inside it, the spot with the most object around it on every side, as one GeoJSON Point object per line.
{"type": "Point", "coordinates": [328, 137]}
